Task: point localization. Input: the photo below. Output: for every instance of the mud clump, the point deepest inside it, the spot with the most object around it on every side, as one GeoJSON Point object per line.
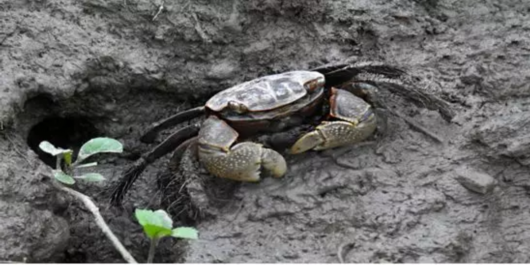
{"type": "Point", "coordinates": [476, 181]}
{"type": "Point", "coordinates": [507, 135]}
{"type": "Point", "coordinates": [24, 223]}
{"type": "Point", "coordinates": [394, 200]}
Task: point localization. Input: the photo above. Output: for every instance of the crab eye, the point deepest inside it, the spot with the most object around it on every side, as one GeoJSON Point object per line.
{"type": "Point", "coordinates": [237, 107]}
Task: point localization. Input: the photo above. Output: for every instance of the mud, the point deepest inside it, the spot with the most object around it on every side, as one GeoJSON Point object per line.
{"type": "Point", "coordinates": [120, 66]}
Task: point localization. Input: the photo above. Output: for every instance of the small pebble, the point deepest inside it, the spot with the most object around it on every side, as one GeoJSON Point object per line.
{"type": "Point", "coordinates": [290, 255]}
{"type": "Point", "coordinates": [475, 181]}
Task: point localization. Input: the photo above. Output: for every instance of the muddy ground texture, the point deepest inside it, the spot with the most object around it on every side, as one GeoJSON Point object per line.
{"type": "Point", "coordinates": [72, 70]}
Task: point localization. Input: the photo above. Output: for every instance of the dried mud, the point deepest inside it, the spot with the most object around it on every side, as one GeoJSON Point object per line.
{"type": "Point", "coordinates": [118, 66]}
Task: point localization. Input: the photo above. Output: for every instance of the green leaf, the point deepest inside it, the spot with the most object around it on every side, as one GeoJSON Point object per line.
{"type": "Point", "coordinates": [68, 158]}
{"type": "Point", "coordinates": [63, 177]}
{"type": "Point", "coordinates": [92, 177]}
{"type": "Point", "coordinates": [51, 149]}
{"type": "Point", "coordinates": [154, 231]}
{"type": "Point", "coordinates": [93, 164]}
{"type": "Point", "coordinates": [99, 145]}
{"type": "Point", "coordinates": [156, 224]}
{"type": "Point", "coordinates": [185, 232]}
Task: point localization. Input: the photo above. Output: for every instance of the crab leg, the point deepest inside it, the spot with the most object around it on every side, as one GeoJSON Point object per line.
{"type": "Point", "coordinates": [243, 161]}
{"type": "Point", "coordinates": [150, 135]}
{"type": "Point", "coordinates": [337, 75]}
{"type": "Point", "coordinates": [355, 122]}
{"type": "Point", "coordinates": [175, 140]}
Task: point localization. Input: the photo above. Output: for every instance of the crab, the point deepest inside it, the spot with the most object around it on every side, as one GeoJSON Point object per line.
{"type": "Point", "coordinates": [272, 103]}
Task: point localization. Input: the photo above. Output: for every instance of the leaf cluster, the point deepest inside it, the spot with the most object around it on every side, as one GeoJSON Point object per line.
{"type": "Point", "coordinates": [92, 147]}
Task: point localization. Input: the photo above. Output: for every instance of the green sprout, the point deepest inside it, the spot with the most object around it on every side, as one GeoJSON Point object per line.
{"type": "Point", "coordinates": [67, 175]}
{"type": "Point", "coordinates": [158, 224]}
{"type": "Point", "coordinates": [92, 147]}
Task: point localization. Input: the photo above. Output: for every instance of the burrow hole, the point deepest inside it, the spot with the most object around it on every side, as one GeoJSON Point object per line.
{"type": "Point", "coordinates": [64, 132]}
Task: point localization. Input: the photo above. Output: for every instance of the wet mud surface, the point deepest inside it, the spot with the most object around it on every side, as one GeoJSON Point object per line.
{"type": "Point", "coordinates": [118, 66]}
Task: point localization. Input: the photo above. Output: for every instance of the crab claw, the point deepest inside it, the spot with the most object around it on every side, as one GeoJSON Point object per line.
{"type": "Point", "coordinates": [307, 142]}
{"type": "Point", "coordinates": [273, 162]}
{"type": "Point", "coordinates": [243, 161]}
{"type": "Point", "coordinates": [331, 135]}
{"type": "Point", "coordinates": [356, 122]}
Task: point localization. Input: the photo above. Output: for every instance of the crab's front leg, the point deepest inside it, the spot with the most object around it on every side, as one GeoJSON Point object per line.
{"type": "Point", "coordinates": [353, 122]}
{"type": "Point", "coordinates": [243, 161]}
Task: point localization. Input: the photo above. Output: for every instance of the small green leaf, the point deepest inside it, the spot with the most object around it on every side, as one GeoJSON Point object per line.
{"type": "Point", "coordinates": [48, 147]}
{"type": "Point", "coordinates": [68, 158]}
{"type": "Point", "coordinates": [63, 177]}
{"type": "Point", "coordinates": [99, 145]}
{"type": "Point", "coordinates": [154, 231]}
{"type": "Point", "coordinates": [93, 164]}
{"type": "Point", "coordinates": [158, 217]}
{"type": "Point", "coordinates": [51, 149]}
{"type": "Point", "coordinates": [185, 232]}
{"type": "Point", "coordinates": [92, 177]}
{"type": "Point", "coordinates": [156, 224]}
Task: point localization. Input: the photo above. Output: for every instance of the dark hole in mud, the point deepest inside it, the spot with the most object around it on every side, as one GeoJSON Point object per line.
{"type": "Point", "coordinates": [67, 133]}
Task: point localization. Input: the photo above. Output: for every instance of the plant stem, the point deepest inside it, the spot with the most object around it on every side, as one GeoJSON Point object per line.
{"type": "Point", "coordinates": [58, 162]}
{"type": "Point", "coordinates": [91, 206]}
{"type": "Point", "coordinates": [152, 250]}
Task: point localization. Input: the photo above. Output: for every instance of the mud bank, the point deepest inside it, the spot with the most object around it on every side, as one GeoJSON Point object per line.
{"type": "Point", "coordinates": [86, 68]}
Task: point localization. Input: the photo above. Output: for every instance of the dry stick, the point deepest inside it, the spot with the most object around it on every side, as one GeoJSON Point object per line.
{"type": "Point", "coordinates": [91, 206]}
{"type": "Point", "coordinates": [418, 127]}
{"type": "Point", "coordinates": [340, 254]}
{"type": "Point", "coordinates": [159, 11]}
{"type": "Point", "coordinates": [199, 29]}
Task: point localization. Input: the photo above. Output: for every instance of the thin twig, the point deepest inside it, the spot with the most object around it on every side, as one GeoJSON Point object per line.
{"type": "Point", "coordinates": [158, 12]}
{"type": "Point", "coordinates": [91, 206]}
{"type": "Point", "coordinates": [340, 251]}
{"type": "Point", "coordinates": [199, 29]}
{"type": "Point", "coordinates": [419, 128]}
{"type": "Point", "coordinates": [184, 6]}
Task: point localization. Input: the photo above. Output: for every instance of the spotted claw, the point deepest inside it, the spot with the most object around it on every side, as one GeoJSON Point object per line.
{"type": "Point", "coordinates": [355, 122]}
{"type": "Point", "coordinates": [243, 162]}
{"type": "Point", "coordinates": [334, 134]}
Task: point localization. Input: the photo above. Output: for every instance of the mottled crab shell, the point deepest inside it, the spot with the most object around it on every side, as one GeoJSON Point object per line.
{"type": "Point", "coordinates": [266, 93]}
